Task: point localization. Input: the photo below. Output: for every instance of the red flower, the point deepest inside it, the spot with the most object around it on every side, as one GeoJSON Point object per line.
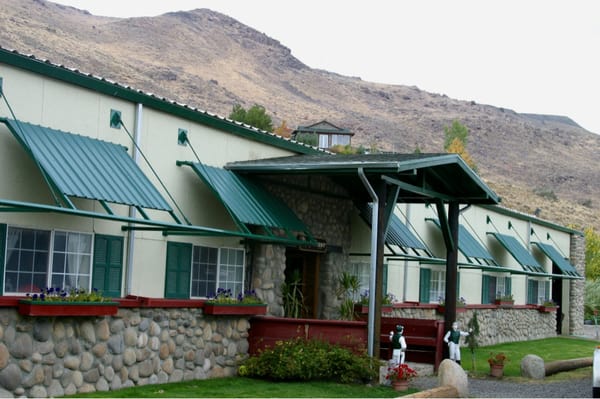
{"type": "Point", "coordinates": [400, 372]}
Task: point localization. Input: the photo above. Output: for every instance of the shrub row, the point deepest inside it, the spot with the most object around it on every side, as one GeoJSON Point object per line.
{"type": "Point", "coordinates": [302, 359]}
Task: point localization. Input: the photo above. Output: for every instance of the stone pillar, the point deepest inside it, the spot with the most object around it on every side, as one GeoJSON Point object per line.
{"type": "Point", "coordinates": [577, 287]}
{"type": "Point", "coordinates": [268, 275]}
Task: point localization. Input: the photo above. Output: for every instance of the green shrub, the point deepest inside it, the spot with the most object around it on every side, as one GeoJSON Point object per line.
{"type": "Point", "coordinates": [300, 359]}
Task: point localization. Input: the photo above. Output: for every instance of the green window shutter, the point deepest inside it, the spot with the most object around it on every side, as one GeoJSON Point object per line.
{"type": "Point", "coordinates": [531, 292]}
{"type": "Point", "coordinates": [458, 284]}
{"type": "Point", "coordinates": [485, 289]}
{"type": "Point", "coordinates": [508, 285]}
{"type": "Point", "coordinates": [178, 270]}
{"type": "Point", "coordinates": [547, 292]}
{"type": "Point", "coordinates": [385, 279]}
{"type": "Point", "coordinates": [424, 281]}
{"type": "Point", "coordinates": [3, 229]}
{"type": "Point", "coordinates": [108, 265]}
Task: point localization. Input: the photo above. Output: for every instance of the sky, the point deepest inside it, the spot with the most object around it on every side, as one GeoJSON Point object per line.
{"type": "Point", "coordinates": [531, 56]}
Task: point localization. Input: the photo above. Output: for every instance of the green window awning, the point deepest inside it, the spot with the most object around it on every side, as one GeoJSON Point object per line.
{"type": "Point", "coordinates": [399, 235]}
{"type": "Point", "coordinates": [564, 265]}
{"type": "Point", "coordinates": [475, 253]}
{"type": "Point", "coordinates": [519, 253]}
{"type": "Point", "coordinates": [84, 167]}
{"type": "Point", "coordinates": [247, 202]}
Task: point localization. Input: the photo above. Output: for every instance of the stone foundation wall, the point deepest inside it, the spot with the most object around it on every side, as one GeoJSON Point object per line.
{"type": "Point", "coordinates": [496, 325]}
{"type": "Point", "coordinates": [51, 357]}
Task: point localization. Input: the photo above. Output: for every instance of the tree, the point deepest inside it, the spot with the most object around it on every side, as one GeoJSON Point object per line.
{"type": "Point", "coordinates": [455, 142]}
{"type": "Point", "coordinates": [592, 253]}
{"type": "Point", "coordinates": [471, 339]}
{"type": "Point", "coordinates": [283, 130]}
{"type": "Point", "coordinates": [255, 116]}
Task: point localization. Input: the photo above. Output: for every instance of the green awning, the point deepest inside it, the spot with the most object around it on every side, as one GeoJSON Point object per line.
{"type": "Point", "coordinates": [563, 264]}
{"type": "Point", "coordinates": [475, 253]}
{"type": "Point", "coordinates": [519, 252]}
{"type": "Point", "coordinates": [247, 202]}
{"type": "Point", "coordinates": [399, 235]}
{"type": "Point", "coordinates": [83, 167]}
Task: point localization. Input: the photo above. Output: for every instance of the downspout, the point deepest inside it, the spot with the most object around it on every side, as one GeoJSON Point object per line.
{"type": "Point", "coordinates": [132, 211]}
{"type": "Point", "coordinates": [405, 278]}
{"type": "Point", "coordinates": [373, 270]}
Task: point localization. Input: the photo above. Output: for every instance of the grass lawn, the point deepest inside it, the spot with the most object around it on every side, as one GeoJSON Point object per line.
{"type": "Point", "coordinates": [238, 387]}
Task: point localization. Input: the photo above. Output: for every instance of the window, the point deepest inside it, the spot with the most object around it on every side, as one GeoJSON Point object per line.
{"type": "Point", "coordinates": [362, 271]}
{"type": "Point", "coordinates": [214, 268]}
{"type": "Point", "coordinates": [36, 259]}
{"type": "Point", "coordinates": [323, 141]}
{"type": "Point", "coordinates": [437, 285]}
{"type": "Point", "coordinates": [340, 139]}
{"type": "Point", "coordinates": [538, 291]}
{"type": "Point", "coordinates": [494, 287]}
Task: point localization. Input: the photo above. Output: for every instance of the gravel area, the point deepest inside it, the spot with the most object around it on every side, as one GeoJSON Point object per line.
{"type": "Point", "coordinates": [507, 388]}
{"type": "Point", "coordinates": [499, 388]}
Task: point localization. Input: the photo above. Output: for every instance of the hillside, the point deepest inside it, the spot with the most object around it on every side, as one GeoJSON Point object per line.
{"type": "Point", "coordinates": [211, 61]}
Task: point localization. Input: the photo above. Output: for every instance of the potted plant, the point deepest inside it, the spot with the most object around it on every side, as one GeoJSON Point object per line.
{"type": "Point", "coordinates": [496, 362]}
{"type": "Point", "coordinates": [461, 304]}
{"type": "Point", "coordinates": [400, 375]}
{"type": "Point", "coordinates": [223, 302]}
{"type": "Point", "coordinates": [504, 300]}
{"type": "Point", "coordinates": [387, 303]}
{"type": "Point", "coordinates": [548, 306]}
{"type": "Point", "coordinates": [62, 302]}
{"type": "Point", "coordinates": [348, 287]}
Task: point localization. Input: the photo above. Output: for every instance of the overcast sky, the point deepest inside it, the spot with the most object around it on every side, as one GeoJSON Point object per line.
{"type": "Point", "coordinates": [534, 56]}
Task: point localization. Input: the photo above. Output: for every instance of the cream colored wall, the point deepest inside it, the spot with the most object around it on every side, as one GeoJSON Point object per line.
{"type": "Point", "coordinates": [475, 220]}
{"type": "Point", "coordinates": [39, 100]}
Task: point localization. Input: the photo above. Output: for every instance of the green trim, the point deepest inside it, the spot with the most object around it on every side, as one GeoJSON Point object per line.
{"type": "Point", "coordinates": [530, 218]}
{"type": "Point", "coordinates": [107, 269]}
{"type": "Point", "coordinates": [424, 281]}
{"type": "Point", "coordinates": [106, 87]}
{"type": "Point", "coordinates": [178, 270]}
{"type": "Point", "coordinates": [3, 230]}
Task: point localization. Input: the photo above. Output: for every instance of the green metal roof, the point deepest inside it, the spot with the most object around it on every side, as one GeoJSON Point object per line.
{"type": "Point", "coordinates": [84, 167]}
{"type": "Point", "coordinates": [247, 202]}
{"type": "Point", "coordinates": [470, 247]}
{"type": "Point", "coordinates": [564, 265]}
{"type": "Point", "coordinates": [399, 234]}
{"type": "Point", "coordinates": [518, 252]}
{"type": "Point", "coordinates": [127, 93]}
{"type": "Point", "coordinates": [420, 177]}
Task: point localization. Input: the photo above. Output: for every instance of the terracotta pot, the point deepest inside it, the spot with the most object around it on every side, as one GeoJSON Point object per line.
{"type": "Point", "coordinates": [400, 385]}
{"type": "Point", "coordinates": [496, 370]}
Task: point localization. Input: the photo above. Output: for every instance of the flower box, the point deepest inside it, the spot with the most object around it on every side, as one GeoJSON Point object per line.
{"type": "Point", "coordinates": [547, 309]}
{"type": "Point", "coordinates": [56, 308]}
{"type": "Point", "coordinates": [359, 308]}
{"type": "Point", "coordinates": [235, 309]}
{"type": "Point", "coordinates": [504, 303]}
{"type": "Point", "coordinates": [441, 309]}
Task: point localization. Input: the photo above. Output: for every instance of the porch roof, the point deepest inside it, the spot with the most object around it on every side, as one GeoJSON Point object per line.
{"type": "Point", "coordinates": [419, 177]}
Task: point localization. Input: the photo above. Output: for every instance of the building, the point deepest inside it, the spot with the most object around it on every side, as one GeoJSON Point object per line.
{"type": "Point", "coordinates": [158, 204]}
{"type": "Point", "coordinates": [323, 134]}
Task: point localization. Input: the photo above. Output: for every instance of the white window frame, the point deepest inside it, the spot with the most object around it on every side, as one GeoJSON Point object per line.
{"type": "Point", "coordinates": [70, 279]}
{"type": "Point", "coordinates": [437, 285]}
{"type": "Point", "coordinates": [229, 273]}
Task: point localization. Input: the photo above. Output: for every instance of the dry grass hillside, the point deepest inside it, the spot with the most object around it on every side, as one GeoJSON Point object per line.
{"type": "Point", "coordinates": [211, 61]}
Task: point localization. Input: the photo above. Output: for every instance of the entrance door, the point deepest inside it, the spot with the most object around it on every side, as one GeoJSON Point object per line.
{"type": "Point", "coordinates": [302, 281]}
{"type": "Point", "coordinates": [557, 297]}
